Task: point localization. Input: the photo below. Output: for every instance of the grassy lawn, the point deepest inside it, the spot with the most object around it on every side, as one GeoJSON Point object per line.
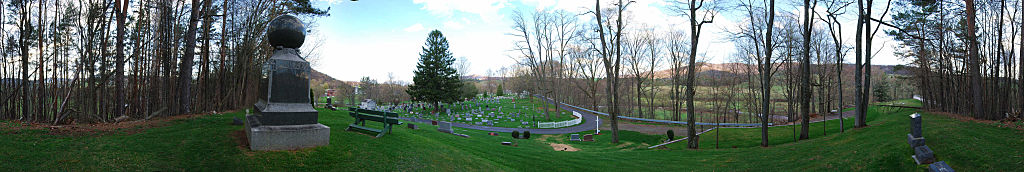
{"type": "Point", "coordinates": [206, 144]}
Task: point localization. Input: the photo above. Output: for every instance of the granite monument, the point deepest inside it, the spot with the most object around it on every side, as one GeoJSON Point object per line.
{"type": "Point", "coordinates": [284, 117]}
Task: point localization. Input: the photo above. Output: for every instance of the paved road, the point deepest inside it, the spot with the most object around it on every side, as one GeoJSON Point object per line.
{"type": "Point", "coordinates": [588, 124]}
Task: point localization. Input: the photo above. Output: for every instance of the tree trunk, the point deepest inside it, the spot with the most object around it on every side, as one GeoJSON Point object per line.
{"type": "Point", "coordinates": [691, 76]}
{"type": "Point", "coordinates": [972, 55]}
{"type": "Point", "coordinates": [805, 70]}
{"type": "Point", "coordinates": [23, 34]}
{"type": "Point", "coordinates": [766, 75]}
{"type": "Point", "coordinates": [121, 9]}
{"type": "Point", "coordinates": [859, 73]}
{"type": "Point", "coordinates": [185, 71]}
{"type": "Point", "coordinates": [1020, 73]}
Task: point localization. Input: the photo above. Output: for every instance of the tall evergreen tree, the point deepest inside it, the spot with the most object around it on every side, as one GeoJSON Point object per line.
{"type": "Point", "coordinates": [436, 79]}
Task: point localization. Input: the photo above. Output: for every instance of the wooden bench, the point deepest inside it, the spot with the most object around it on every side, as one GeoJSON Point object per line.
{"type": "Point", "coordinates": [363, 115]}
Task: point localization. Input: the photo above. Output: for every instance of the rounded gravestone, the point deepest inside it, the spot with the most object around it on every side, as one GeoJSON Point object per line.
{"type": "Point", "coordinates": [286, 31]}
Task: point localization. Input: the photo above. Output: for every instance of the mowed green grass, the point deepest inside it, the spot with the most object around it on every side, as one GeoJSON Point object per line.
{"type": "Point", "coordinates": [206, 144]}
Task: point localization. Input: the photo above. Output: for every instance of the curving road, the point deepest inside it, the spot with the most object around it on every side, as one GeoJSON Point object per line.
{"type": "Point", "coordinates": [588, 123]}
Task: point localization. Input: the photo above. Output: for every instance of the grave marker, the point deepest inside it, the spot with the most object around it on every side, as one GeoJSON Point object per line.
{"type": "Point", "coordinates": [285, 118]}
{"type": "Point", "coordinates": [923, 155]}
{"type": "Point", "coordinates": [445, 127]}
{"type": "Point", "coordinates": [940, 166]}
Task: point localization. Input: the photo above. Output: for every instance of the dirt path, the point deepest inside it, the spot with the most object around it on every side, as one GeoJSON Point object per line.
{"type": "Point", "coordinates": [814, 119]}
{"type": "Point", "coordinates": [643, 128]}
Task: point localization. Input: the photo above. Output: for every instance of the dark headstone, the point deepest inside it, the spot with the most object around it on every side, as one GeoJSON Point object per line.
{"type": "Point", "coordinates": [915, 141]}
{"type": "Point", "coordinates": [445, 127]}
{"type": "Point", "coordinates": [915, 125]}
{"type": "Point", "coordinates": [284, 87]}
{"type": "Point", "coordinates": [237, 121]}
{"type": "Point", "coordinates": [412, 126]}
{"type": "Point", "coordinates": [940, 166]}
{"type": "Point", "coordinates": [588, 138]}
{"type": "Point", "coordinates": [575, 137]}
{"type": "Point", "coordinates": [285, 118]}
{"type": "Point", "coordinates": [286, 31]}
{"type": "Point", "coordinates": [923, 155]}
{"type": "Point", "coordinates": [433, 122]}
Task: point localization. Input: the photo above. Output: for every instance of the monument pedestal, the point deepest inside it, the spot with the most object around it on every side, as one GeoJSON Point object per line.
{"type": "Point", "coordinates": [285, 118]}
{"type": "Point", "coordinates": [915, 141]}
{"type": "Point", "coordinates": [923, 155]}
{"type": "Point", "coordinates": [285, 137]}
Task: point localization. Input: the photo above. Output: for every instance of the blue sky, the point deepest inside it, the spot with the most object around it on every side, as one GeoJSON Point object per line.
{"type": "Point", "coordinates": [377, 37]}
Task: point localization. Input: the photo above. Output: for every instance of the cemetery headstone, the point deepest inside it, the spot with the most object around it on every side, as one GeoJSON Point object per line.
{"type": "Point", "coordinates": [940, 166]}
{"type": "Point", "coordinates": [285, 118]}
{"type": "Point", "coordinates": [923, 155]}
{"type": "Point", "coordinates": [445, 127]}
{"type": "Point", "coordinates": [237, 121]}
{"type": "Point", "coordinates": [588, 137]}
{"type": "Point", "coordinates": [413, 126]}
{"type": "Point", "coordinates": [574, 137]}
{"type": "Point", "coordinates": [915, 137]}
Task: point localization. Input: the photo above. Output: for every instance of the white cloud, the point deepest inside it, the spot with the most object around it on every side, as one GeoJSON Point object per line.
{"type": "Point", "coordinates": [486, 9]}
{"type": "Point", "coordinates": [414, 28]}
{"type": "Point", "coordinates": [567, 5]}
{"type": "Point", "coordinates": [453, 25]}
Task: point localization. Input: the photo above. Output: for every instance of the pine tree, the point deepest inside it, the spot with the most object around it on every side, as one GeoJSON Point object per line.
{"type": "Point", "coordinates": [435, 79]}
{"type": "Point", "coordinates": [881, 91]}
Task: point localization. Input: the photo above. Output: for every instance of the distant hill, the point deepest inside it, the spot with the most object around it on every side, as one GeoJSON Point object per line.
{"type": "Point", "coordinates": [315, 77]}
{"type": "Point", "coordinates": [480, 77]}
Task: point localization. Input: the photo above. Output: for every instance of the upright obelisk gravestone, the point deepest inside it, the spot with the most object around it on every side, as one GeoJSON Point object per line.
{"type": "Point", "coordinates": [284, 118]}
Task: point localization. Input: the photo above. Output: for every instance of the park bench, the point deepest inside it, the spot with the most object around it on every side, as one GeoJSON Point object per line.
{"type": "Point", "coordinates": [363, 115]}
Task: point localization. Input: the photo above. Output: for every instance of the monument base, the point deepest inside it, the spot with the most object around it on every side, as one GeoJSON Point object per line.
{"type": "Point", "coordinates": [286, 137]}
{"type": "Point", "coordinates": [915, 141]}
{"type": "Point", "coordinates": [921, 161]}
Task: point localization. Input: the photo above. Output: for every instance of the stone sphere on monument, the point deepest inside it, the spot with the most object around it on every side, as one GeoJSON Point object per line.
{"type": "Point", "coordinates": [286, 31]}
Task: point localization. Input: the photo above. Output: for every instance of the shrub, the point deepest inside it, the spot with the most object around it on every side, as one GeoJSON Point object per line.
{"type": "Point", "coordinates": [671, 135]}
{"type": "Point", "coordinates": [515, 134]}
{"type": "Point", "coordinates": [526, 135]}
